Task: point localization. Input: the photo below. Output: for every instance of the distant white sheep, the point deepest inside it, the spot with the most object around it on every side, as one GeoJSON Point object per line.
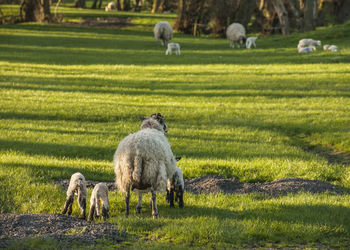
{"type": "Point", "coordinates": [77, 186]}
{"type": "Point", "coordinates": [235, 33]}
{"type": "Point", "coordinates": [332, 48]}
{"type": "Point", "coordinates": [99, 196]}
{"type": "Point", "coordinates": [144, 161]}
{"type": "Point", "coordinates": [251, 42]}
{"type": "Point", "coordinates": [110, 6]}
{"type": "Point", "coordinates": [176, 185]}
{"type": "Point", "coordinates": [163, 32]}
{"type": "Point", "coordinates": [306, 49]}
{"type": "Point", "coordinates": [173, 47]}
{"type": "Point", "coordinates": [308, 42]}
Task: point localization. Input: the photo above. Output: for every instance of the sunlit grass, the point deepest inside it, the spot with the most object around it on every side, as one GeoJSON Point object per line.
{"type": "Point", "coordinates": [70, 94]}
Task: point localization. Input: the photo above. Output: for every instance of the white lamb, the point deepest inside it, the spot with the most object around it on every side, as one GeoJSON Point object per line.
{"type": "Point", "coordinates": [176, 185]}
{"type": "Point", "coordinates": [332, 48]}
{"type": "Point", "coordinates": [110, 6]}
{"type": "Point", "coordinates": [235, 33]}
{"type": "Point", "coordinates": [163, 32]}
{"type": "Point", "coordinates": [77, 186]}
{"type": "Point", "coordinates": [251, 42]}
{"type": "Point", "coordinates": [99, 196]}
{"type": "Point", "coordinates": [306, 49]}
{"type": "Point", "coordinates": [173, 47]}
{"type": "Point", "coordinates": [308, 42]}
{"type": "Point", "coordinates": [144, 161]}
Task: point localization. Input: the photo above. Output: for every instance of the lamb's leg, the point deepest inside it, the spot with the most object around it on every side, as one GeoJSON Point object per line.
{"type": "Point", "coordinates": [92, 212]}
{"type": "Point", "coordinates": [82, 205]}
{"type": "Point", "coordinates": [171, 197]}
{"type": "Point", "coordinates": [139, 204]}
{"type": "Point", "coordinates": [154, 205]}
{"type": "Point", "coordinates": [127, 201]}
{"type": "Point", "coordinates": [68, 204]}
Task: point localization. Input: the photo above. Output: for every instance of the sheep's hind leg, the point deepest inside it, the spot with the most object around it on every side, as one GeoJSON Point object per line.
{"type": "Point", "coordinates": [139, 204]}
{"type": "Point", "coordinates": [154, 205]}
{"type": "Point", "coordinates": [68, 205]}
{"type": "Point", "coordinates": [82, 205]}
{"type": "Point", "coordinates": [127, 201]}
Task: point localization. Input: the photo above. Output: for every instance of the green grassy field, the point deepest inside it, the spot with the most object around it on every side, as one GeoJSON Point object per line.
{"type": "Point", "coordinates": [70, 94]}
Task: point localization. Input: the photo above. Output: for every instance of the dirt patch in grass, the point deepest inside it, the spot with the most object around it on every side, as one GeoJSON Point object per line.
{"type": "Point", "coordinates": [104, 22]}
{"type": "Point", "coordinates": [55, 226]}
{"type": "Point", "coordinates": [216, 184]}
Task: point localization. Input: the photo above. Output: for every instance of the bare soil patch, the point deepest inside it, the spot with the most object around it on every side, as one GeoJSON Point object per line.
{"type": "Point", "coordinates": [216, 184]}
{"type": "Point", "coordinates": [105, 22]}
{"type": "Point", "coordinates": [55, 226]}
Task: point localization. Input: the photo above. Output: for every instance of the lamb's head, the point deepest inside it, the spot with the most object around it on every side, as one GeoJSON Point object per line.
{"type": "Point", "coordinates": [156, 121]}
{"type": "Point", "coordinates": [318, 43]}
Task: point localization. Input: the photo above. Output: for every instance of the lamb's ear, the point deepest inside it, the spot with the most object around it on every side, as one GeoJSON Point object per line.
{"type": "Point", "coordinates": [142, 118]}
{"type": "Point", "coordinates": [177, 158]}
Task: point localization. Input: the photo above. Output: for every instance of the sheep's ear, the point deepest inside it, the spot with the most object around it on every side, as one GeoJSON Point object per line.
{"type": "Point", "coordinates": [142, 118]}
{"type": "Point", "coordinates": [177, 158]}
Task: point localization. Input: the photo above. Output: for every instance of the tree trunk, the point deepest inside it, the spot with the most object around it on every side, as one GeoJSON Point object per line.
{"type": "Point", "coordinates": [155, 6]}
{"type": "Point", "coordinates": [282, 16]}
{"type": "Point", "coordinates": [36, 11]}
{"type": "Point", "coordinates": [342, 11]}
{"type": "Point", "coordinates": [118, 5]}
{"type": "Point", "coordinates": [310, 12]}
{"type": "Point", "coordinates": [79, 3]}
{"type": "Point", "coordinates": [179, 24]}
{"type": "Point", "coordinates": [296, 10]}
{"type": "Point", "coordinates": [125, 5]}
{"type": "Point", "coordinates": [94, 4]}
{"type": "Point", "coordinates": [137, 5]}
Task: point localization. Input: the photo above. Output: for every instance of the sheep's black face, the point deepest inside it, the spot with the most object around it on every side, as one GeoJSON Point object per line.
{"type": "Point", "coordinates": [242, 40]}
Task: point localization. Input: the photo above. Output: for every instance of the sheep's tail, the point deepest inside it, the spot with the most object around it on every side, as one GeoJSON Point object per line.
{"type": "Point", "coordinates": [137, 173]}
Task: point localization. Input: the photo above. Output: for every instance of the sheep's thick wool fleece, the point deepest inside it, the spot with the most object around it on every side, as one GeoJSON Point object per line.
{"type": "Point", "coordinates": [235, 31]}
{"type": "Point", "coordinates": [144, 157]}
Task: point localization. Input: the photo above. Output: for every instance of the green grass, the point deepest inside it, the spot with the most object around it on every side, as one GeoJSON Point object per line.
{"type": "Point", "coordinates": [70, 94]}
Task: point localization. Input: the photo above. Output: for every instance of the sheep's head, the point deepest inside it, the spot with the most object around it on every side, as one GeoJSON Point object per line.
{"type": "Point", "coordinates": [156, 121]}
{"type": "Point", "coordinates": [318, 42]}
{"type": "Point", "coordinates": [242, 40]}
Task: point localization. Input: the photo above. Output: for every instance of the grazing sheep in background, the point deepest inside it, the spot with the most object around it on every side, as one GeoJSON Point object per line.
{"type": "Point", "coordinates": [77, 185]}
{"type": "Point", "coordinates": [99, 195]}
{"type": "Point", "coordinates": [163, 32]}
{"type": "Point", "coordinates": [110, 6]}
{"type": "Point", "coordinates": [235, 33]}
{"type": "Point", "coordinates": [251, 42]}
{"type": "Point", "coordinates": [308, 42]}
{"type": "Point", "coordinates": [332, 48]}
{"type": "Point", "coordinates": [176, 184]}
{"type": "Point", "coordinates": [144, 161]}
{"type": "Point", "coordinates": [173, 47]}
{"type": "Point", "coordinates": [307, 49]}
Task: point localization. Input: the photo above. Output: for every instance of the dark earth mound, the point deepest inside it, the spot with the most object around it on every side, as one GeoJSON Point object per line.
{"type": "Point", "coordinates": [215, 184]}
{"type": "Point", "coordinates": [55, 226]}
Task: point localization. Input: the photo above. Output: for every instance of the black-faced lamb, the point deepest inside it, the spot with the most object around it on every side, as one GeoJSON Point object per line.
{"type": "Point", "coordinates": [77, 186]}
{"type": "Point", "coordinates": [173, 47]}
{"type": "Point", "coordinates": [175, 188]}
{"type": "Point", "coordinates": [99, 196]}
{"type": "Point", "coordinates": [144, 161]}
{"type": "Point", "coordinates": [251, 42]}
{"type": "Point", "coordinates": [308, 42]}
{"type": "Point", "coordinates": [235, 33]}
{"type": "Point", "coordinates": [163, 32]}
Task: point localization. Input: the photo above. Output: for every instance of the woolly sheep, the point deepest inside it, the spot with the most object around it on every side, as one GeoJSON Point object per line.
{"type": "Point", "coordinates": [173, 47]}
{"type": "Point", "coordinates": [144, 161]}
{"type": "Point", "coordinates": [77, 186]}
{"type": "Point", "coordinates": [163, 32]}
{"type": "Point", "coordinates": [235, 33]}
{"type": "Point", "coordinates": [110, 6]}
{"type": "Point", "coordinates": [99, 196]}
{"type": "Point", "coordinates": [306, 49]}
{"type": "Point", "coordinates": [308, 42]}
{"type": "Point", "coordinates": [251, 42]}
{"type": "Point", "coordinates": [332, 48]}
{"type": "Point", "coordinates": [176, 185]}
